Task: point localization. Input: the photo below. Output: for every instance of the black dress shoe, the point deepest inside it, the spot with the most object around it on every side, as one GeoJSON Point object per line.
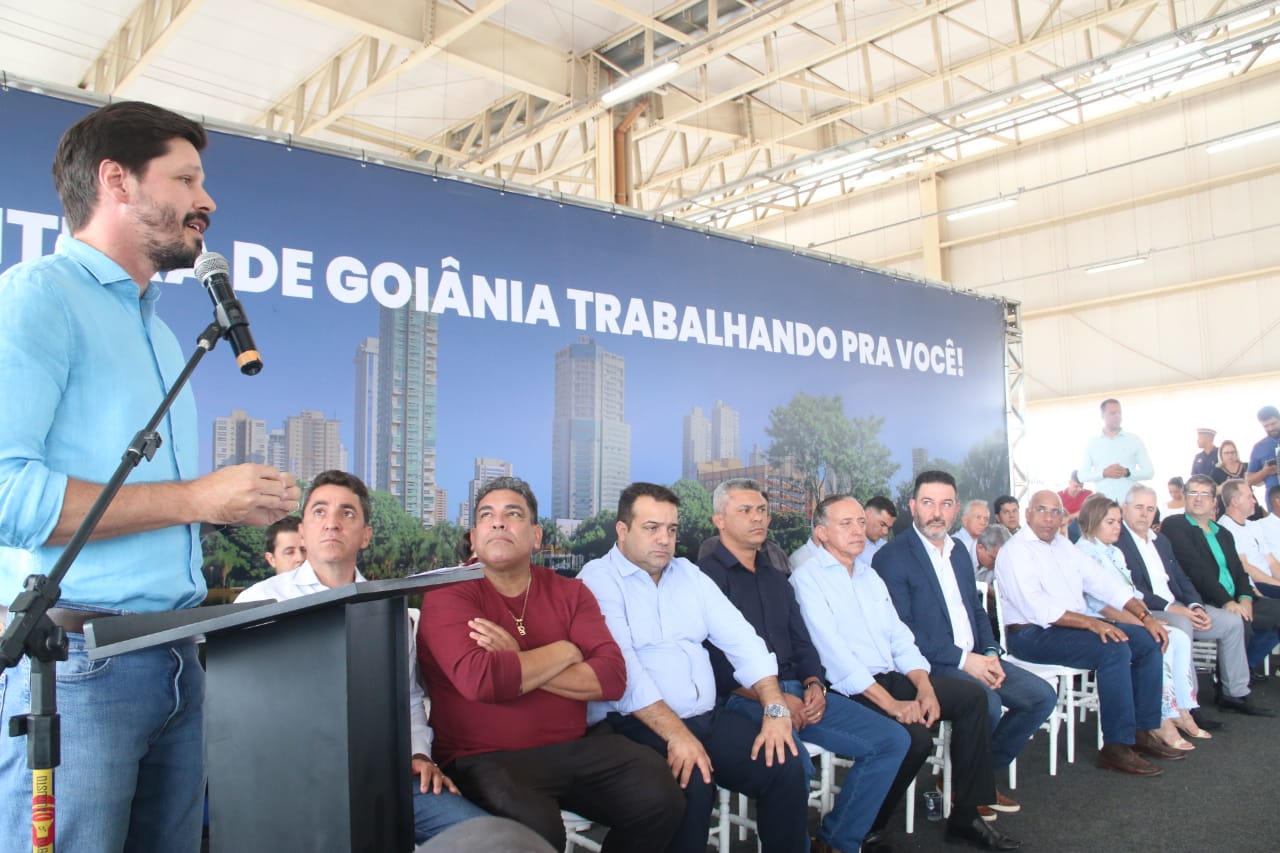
{"type": "Point", "coordinates": [1244, 706]}
{"type": "Point", "coordinates": [877, 842]}
{"type": "Point", "coordinates": [979, 833]}
{"type": "Point", "coordinates": [1205, 722]}
{"type": "Point", "coordinates": [1256, 676]}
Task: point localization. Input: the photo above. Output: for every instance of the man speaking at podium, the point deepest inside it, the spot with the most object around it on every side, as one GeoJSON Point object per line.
{"type": "Point", "coordinates": [84, 363]}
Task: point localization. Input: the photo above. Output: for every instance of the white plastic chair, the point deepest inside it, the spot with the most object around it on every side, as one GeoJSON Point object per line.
{"type": "Point", "coordinates": [575, 827]}
{"type": "Point", "coordinates": [1070, 698]}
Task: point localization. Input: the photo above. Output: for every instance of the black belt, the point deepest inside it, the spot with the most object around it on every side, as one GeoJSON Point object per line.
{"type": "Point", "coordinates": [1015, 627]}
{"type": "Point", "coordinates": [71, 621]}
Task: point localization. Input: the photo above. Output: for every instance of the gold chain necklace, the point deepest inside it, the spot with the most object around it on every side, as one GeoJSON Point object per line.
{"type": "Point", "coordinates": [520, 619]}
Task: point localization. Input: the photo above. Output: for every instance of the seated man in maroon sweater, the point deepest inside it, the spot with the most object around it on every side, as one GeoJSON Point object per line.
{"type": "Point", "coordinates": [510, 662]}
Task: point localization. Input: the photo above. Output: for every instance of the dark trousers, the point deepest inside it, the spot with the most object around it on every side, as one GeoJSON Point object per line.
{"type": "Point", "coordinates": [1261, 634]}
{"type": "Point", "coordinates": [964, 704]}
{"type": "Point", "coordinates": [1129, 674]}
{"type": "Point", "coordinates": [781, 792]}
{"type": "Point", "coordinates": [604, 777]}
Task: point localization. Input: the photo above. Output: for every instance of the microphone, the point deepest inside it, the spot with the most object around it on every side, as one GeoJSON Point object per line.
{"type": "Point", "coordinates": [215, 274]}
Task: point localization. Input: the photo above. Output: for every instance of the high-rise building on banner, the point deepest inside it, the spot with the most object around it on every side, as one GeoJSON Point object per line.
{"type": "Point", "coordinates": [486, 468]}
{"type": "Point", "coordinates": [696, 443]}
{"type": "Point", "coordinates": [239, 438]}
{"type": "Point", "coordinates": [726, 440]}
{"type": "Point", "coordinates": [366, 411]}
{"type": "Point", "coordinates": [406, 435]}
{"type": "Point", "coordinates": [919, 459]}
{"type": "Point", "coordinates": [757, 456]}
{"type": "Point", "coordinates": [590, 439]}
{"type": "Point", "coordinates": [277, 453]}
{"type": "Point", "coordinates": [312, 444]}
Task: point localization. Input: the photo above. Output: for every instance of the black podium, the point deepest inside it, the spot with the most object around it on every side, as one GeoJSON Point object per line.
{"type": "Point", "coordinates": [306, 730]}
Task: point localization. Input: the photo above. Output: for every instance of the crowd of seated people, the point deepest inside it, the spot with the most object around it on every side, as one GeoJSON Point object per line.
{"type": "Point", "coordinates": [628, 695]}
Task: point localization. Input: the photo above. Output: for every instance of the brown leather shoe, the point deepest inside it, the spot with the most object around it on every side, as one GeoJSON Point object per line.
{"type": "Point", "coordinates": [1122, 759]}
{"type": "Point", "coordinates": [1146, 743]}
{"type": "Point", "coordinates": [1005, 803]}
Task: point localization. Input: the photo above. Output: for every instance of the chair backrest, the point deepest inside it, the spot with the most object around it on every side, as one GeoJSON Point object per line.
{"type": "Point", "coordinates": [983, 587]}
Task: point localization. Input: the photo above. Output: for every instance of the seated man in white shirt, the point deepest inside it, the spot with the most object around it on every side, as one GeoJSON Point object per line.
{"type": "Point", "coordinates": [870, 656]}
{"type": "Point", "coordinates": [1174, 599]}
{"type": "Point", "coordinates": [1262, 567]}
{"type": "Point", "coordinates": [1270, 524]}
{"type": "Point", "coordinates": [1041, 579]}
{"type": "Point", "coordinates": [335, 529]}
{"type": "Point", "coordinates": [660, 610]}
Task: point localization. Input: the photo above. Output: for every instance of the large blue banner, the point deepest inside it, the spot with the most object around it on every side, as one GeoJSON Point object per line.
{"type": "Point", "coordinates": [328, 251]}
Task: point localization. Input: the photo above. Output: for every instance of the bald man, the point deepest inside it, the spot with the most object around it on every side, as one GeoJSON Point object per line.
{"type": "Point", "coordinates": [1042, 579]}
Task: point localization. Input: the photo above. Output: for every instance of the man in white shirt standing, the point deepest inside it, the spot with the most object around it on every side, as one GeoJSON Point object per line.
{"type": "Point", "coordinates": [1041, 579]}
{"type": "Point", "coordinates": [1174, 599]}
{"type": "Point", "coordinates": [1115, 459]}
{"type": "Point", "coordinates": [335, 529]}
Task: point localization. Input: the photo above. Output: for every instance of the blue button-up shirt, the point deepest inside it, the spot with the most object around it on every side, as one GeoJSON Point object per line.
{"type": "Point", "coordinates": [853, 623]}
{"type": "Point", "coordinates": [660, 629]}
{"type": "Point", "coordinates": [84, 362]}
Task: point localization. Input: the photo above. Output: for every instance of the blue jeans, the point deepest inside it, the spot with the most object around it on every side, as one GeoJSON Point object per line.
{"type": "Point", "coordinates": [877, 745]}
{"type": "Point", "coordinates": [434, 813]}
{"type": "Point", "coordinates": [1129, 674]}
{"type": "Point", "coordinates": [1029, 698]}
{"type": "Point", "coordinates": [132, 771]}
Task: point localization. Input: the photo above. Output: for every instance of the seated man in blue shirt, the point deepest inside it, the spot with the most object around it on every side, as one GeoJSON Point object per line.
{"type": "Point", "coordinates": [744, 573]}
{"type": "Point", "coordinates": [660, 610]}
{"type": "Point", "coordinates": [930, 578]}
{"type": "Point", "coordinates": [871, 657]}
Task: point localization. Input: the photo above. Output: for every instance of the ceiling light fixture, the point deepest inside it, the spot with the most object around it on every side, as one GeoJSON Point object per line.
{"type": "Point", "coordinates": [641, 83]}
{"type": "Point", "coordinates": [1116, 265]}
{"type": "Point", "coordinates": [1240, 140]}
{"type": "Point", "coordinates": [979, 209]}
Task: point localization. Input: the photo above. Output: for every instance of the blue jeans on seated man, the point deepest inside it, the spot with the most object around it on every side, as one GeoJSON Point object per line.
{"type": "Point", "coordinates": [132, 770]}
{"type": "Point", "coordinates": [877, 745]}
{"type": "Point", "coordinates": [781, 792]}
{"type": "Point", "coordinates": [1029, 699]}
{"type": "Point", "coordinates": [434, 813]}
{"type": "Point", "coordinates": [1130, 674]}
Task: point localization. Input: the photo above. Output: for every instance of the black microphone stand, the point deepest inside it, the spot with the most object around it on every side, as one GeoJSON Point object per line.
{"type": "Point", "coordinates": [31, 633]}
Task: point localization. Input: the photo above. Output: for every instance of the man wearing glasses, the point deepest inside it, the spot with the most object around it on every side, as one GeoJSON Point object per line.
{"type": "Point", "coordinates": [1041, 579]}
{"type": "Point", "coordinates": [1209, 555]}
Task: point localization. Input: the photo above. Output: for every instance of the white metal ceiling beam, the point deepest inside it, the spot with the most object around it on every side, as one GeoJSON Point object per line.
{"type": "Point", "coordinates": [132, 47]}
{"type": "Point", "coordinates": [398, 35]}
{"type": "Point", "coordinates": [636, 17]}
{"type": "Point", "coordinates": [767, 20]}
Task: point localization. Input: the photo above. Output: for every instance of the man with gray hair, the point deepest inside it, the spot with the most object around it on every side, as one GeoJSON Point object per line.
{"type": "Point", "coordinates": [973, 521]}
{"type": "Point", "coordinates": [1174, 599]}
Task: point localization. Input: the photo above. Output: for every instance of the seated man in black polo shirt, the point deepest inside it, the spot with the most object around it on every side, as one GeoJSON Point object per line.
{"type": "Point", "coordinates": [877, 744]}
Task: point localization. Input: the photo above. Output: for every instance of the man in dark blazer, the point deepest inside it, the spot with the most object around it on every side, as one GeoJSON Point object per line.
{"type": "Point", "coordinates": [1207, 553]}
{"type": "Point", "coordinates": [930, 579]}
{"type": "Point", "coordinates": [1174, 599]}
